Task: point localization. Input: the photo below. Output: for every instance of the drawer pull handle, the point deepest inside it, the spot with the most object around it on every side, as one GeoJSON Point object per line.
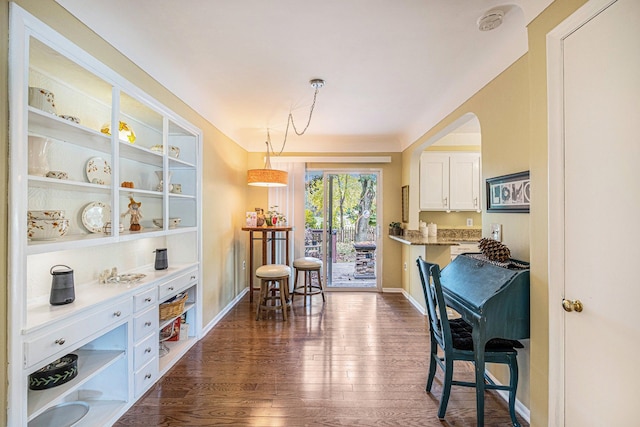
{"type": "Point", "coordinates": [192, 277]}
{"type": "Point", "coordinates": [147, 323]}
{"type": "Point", "coordinates": [171, 288]}
{"type": "Point", "coordinates": [147, 350]}
{"type": "Point", "coordinates": [147, 299]}
{"type": "Point", "coordinates": [148, 376]}
{"type": "Point", "coordinates": [117, 313]}
{"type": "Point", "coordinates": [60, 341]}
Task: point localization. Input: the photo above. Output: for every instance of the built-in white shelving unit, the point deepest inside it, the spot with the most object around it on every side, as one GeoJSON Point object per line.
{"type": "Point", "coordinates": [114, 327]}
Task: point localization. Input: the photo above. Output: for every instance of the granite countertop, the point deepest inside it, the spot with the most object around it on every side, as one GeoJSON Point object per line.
{"type": "Point", "coordinates": [425, 241]}
{"type": "Point", "coordinates": [446, 237]}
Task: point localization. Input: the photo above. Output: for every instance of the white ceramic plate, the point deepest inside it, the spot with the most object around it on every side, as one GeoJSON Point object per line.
{"type": "Point", "coordinates": [63, 415]}
{"type": "Point", "coordinates": [98, 171]}
{"type": "Point", "coordinates": [95, 215]}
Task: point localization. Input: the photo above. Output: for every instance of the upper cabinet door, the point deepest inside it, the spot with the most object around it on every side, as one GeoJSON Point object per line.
{"type": "Point", "coordinates": [464, 172]}
{"type": "Point", "coordinates": [434, 181]}
{"type": "Point", "coordinates": [450, 181]}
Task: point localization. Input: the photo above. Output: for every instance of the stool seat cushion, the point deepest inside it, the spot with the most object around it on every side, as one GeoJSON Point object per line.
{"type": "Point", "coordinates": [273, 270]}
{"type": "Point", "coordinates": [307, 262]}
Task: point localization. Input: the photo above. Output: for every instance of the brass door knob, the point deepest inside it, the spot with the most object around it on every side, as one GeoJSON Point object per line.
{"type": "Point", "coordinates": [572, 305]}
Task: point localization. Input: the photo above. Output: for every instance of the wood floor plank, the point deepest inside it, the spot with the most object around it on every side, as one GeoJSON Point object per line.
{"type": "Point", "coordinates": [360, 359]}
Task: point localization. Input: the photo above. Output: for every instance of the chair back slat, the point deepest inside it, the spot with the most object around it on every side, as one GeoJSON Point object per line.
{"type": "Point", "coordinates": [436, 307]}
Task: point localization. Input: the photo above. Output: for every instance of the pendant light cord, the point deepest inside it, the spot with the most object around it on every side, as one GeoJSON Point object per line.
{"type": "Point", "coordinates": [290, 122]}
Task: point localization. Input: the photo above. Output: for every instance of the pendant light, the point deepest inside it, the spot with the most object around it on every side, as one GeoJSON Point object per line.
{"type": "Point", "coordinates": [268, 177]}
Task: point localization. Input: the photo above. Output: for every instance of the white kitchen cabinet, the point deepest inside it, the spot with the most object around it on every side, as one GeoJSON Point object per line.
{"type": "Point", "coordinates": [112, 327]}
{"type": "Point", "coordinates": [450, 181]}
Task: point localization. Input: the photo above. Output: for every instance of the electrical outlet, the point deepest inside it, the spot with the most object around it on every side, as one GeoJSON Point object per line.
{"type": "Point", "coordinates": [244, 265]}
{"type": "Point", "coordinates": [496, 232]}
{"type": "Point", "coordinates": [405, 266]}
{"type": "Point", "coordinates": [469, 222]}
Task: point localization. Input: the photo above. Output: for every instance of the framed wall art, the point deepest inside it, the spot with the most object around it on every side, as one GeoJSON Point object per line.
{"type": "Point", "coordinates": [405, 203]}
{"type": "Point", "coordinates": [509, 193]}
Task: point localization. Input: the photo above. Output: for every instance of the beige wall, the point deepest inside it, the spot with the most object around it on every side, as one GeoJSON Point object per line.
{"type": "Point", "coordinates": [539, 256]}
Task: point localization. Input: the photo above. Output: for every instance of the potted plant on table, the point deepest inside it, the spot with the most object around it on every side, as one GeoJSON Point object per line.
{"type": "Point", "coordinates": [395, 229]}
{"type": "Point", "coordinates": [274, 218]}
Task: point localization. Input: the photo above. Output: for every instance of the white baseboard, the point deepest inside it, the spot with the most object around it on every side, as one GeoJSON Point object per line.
{"type": "Point", "coordinates": [223, 313]}
{"type": "Point", "coordinates": [522, 410]}
{"type": "Point", "coordinates": [414, 302]}
{"type": "Point", "coordinates": [392, 290]}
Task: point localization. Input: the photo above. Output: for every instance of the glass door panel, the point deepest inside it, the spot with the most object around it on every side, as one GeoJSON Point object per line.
{"type": "Point", "coordinates": [341, 227]}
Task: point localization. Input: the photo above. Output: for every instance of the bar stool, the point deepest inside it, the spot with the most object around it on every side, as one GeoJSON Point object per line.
{"type": "Point", "coordinates": [274, 287]}
{"type": "Point", "coordinates": [307, 265]}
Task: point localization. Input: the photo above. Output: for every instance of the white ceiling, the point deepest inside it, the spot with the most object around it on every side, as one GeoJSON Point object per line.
{"type": "Point", "coordinates": [393, 68]}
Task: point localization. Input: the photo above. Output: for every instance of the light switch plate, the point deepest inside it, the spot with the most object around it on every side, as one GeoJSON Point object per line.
{"type": "Point", "coordinates": [496, 232]}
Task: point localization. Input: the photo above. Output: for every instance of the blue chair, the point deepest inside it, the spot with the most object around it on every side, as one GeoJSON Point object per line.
{"type": "Point", "coordinates": [455, 339]}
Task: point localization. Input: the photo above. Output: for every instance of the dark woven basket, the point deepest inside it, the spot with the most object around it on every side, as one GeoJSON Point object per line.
{"type": "Point", "coordinates": [55, 373]}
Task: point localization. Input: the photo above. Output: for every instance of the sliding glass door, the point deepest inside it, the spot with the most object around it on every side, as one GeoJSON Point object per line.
{"type": "Point", "coordinates": [341, 226]}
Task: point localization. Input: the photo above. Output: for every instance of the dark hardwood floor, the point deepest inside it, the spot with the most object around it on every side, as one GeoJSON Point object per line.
{"type": "Point", "coordinates": [358, 360]}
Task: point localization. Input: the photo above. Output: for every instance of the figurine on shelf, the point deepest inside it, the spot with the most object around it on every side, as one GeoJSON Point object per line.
{"type": "Point", "coordinates": [136, 215]}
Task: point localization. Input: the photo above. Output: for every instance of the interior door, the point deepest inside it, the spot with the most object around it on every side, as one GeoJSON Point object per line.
{"type": "Point", "coordinates": [601, 62]}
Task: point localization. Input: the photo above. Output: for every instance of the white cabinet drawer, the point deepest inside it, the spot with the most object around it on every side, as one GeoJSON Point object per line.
{"type": "Point", "coordinates": [145, 323]}
{"type": "Point", "coordinates": [145, 299]}
{"type": "Point", "coordinates": [67, 336]}
{"type": "Point", "coordinates": [177, 284]}
{"type": "Point", "coordinates": [145, 377]}
{"type": "Point", "coordinates": [145, 351]}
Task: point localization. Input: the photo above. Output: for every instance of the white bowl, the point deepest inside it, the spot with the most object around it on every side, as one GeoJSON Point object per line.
{"type": "Point", "coordinates": [47, 229]}
{"type": "Point", "coordinates": [45, 214]}
{"type": "Point", "coordinates": [173, 222]}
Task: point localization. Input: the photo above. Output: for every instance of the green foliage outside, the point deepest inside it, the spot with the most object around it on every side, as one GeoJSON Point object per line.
{"type": "Point", "coordinates": [352, 205]}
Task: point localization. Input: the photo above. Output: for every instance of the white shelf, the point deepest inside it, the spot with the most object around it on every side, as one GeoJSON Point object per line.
{"type": "Point", "coordinates": [48, 125]}
{"type": "Point", "coordinates": [177, 349]}
{"type": "Point", "coordinates": [187, 306]}
{"type": "Point", "coordinates": [140, 154]}
{"type": "Point", "coordinates": [73, 241]}
{"type": "Point", "coordinates": [90, 363]}
{"type": "Point", "coordinates": [65, 184]}
{"type": "Point", "coordinates": [180, 164]}
{"type": "Point", "coordinates": [133, 191]}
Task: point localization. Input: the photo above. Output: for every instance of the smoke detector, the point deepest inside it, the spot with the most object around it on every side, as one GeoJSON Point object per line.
{"type": "Point", "coordinates": [490, 20]}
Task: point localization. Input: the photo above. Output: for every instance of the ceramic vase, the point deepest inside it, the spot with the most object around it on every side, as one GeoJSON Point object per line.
{"type": "Point", "coordinates": [38, 160]}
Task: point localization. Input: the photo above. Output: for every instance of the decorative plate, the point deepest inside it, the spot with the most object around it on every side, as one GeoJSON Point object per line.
{"type": "Point", "coordinates": [66, 414]}
{"type": "Point", "coordinates": [98, 171]}
{"type": "Point", "coordinates": [95, 215]}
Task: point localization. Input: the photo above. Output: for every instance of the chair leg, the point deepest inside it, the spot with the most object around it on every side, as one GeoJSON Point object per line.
{"type": "Point", "coordinates": [295, 284]}
{"type": "Point", "coordinates": [283, 303]}
{"type": "Point", "coordinates": [320, 284]}
{"type": "Point", "coordinates": [307, 275]}
{"type": "Point", "coordinates": [513, 387]}
{"type": "Point", "coordinates": [446, 387]}
{"type": "Point", "coordinates": [433, 364]}
{"type": "Point", "coordinates": [261, 297]}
